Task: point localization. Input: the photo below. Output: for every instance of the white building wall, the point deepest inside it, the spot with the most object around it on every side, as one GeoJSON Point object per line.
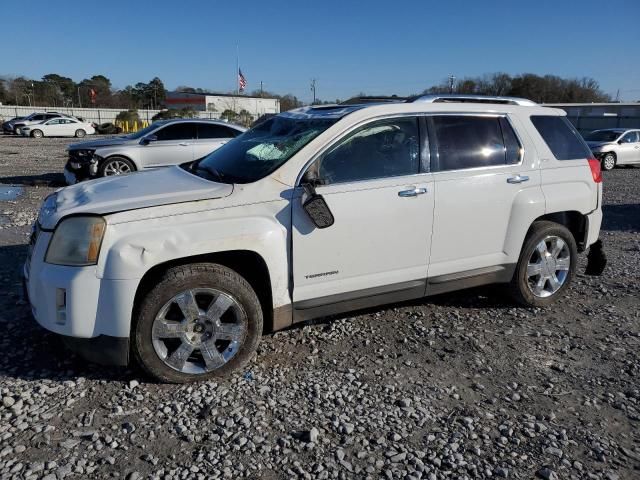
{"type": "Point", "coordinates": [254, 105]}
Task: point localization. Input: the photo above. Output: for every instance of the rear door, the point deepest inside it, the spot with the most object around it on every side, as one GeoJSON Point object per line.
{"type": "Point", "coordinates": [479, 169]}
{"type": "Point", "coordinates": [173, 145]}
{"type": "Point", "coordinates": [210, 137]}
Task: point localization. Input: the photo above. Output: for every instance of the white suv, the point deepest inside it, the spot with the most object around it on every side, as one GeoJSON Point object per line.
{"type": "Point", "coordinates": [313, 212]}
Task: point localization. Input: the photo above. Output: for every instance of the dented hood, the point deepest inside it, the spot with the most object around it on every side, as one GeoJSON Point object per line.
{"type": "Point", "coordinates": [130, 192]}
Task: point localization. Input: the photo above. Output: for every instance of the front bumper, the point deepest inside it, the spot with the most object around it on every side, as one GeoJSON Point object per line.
{"type": "Point", "coordinates": [92, 314]}
{"type": "Point", "coordinates": [76, 172]}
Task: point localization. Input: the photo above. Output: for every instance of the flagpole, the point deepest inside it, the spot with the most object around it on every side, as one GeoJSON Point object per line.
{"type": "Point", "coordinates": [237, 70]}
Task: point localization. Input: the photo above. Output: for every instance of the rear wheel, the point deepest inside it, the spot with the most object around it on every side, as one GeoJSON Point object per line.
{"type": "Point", "coordinates": [609, 161]}
{"type": "Point", "coordinates": [80, 133]}
{"type": "Point", "coordinates": [116, 166]}
{"type": "Point", "coordinates": [37, 134]}
{"type": "Point", "coordinates": [200, 321]}
{"type": "Point", "coordinates": [546, 266]}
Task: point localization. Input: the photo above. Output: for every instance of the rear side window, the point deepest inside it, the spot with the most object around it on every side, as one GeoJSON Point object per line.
{"type": "Point", "coordinates": [215, 131]}
{"type": "Point", "coordinates": [466, 141]}
{"type": "Point", "coordinates": [562, 139]}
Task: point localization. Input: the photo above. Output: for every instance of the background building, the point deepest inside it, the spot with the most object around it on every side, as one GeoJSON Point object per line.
{"type": "Point", "coordinates": [594, 116]}
{"type": "Point", "coordinates": [216, 103]}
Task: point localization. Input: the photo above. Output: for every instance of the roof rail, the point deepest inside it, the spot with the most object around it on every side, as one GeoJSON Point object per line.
{"type": "Point", "coordinates": [455, 97]}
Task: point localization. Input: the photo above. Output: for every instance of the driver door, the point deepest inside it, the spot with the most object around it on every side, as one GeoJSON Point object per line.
{"type": "Point", "coordinates": [173, 145]}
{"type": "Point", "coordinates": [382, 201]}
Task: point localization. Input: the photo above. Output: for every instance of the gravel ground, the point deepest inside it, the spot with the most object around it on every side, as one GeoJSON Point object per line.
{"type": "Point", "coordinates": [464, 385]}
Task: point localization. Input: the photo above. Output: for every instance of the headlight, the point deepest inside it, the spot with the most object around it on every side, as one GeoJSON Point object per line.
{"type": "Point", "coordinates": [76, 241]}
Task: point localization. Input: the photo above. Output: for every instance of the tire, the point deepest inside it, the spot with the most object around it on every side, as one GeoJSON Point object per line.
{"type": "Point", "coordinates": [181, 359]}
{"type": "Point", "coordinates": [609, 161]}
{"type": "Point", "coordinates": [80, 133]}
{"type": "Point", "coordinates": [37, 134]}
{"type": "Point", "coordinates": [525, 285]}
{"type": "Point", "coordinates": [116, 166]}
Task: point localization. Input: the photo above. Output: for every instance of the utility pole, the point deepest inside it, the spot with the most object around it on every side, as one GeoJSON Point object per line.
{"type": "Point", "coordinates": [33, 92]}
{"type": "Point", "coordinates": [618, 95]}
{"type": "Point", "coordinates": [261, 90]}
{"type": "Point", "coordinates": [451, 80]}
{"type": "Point", "coordinates": [313, 89]}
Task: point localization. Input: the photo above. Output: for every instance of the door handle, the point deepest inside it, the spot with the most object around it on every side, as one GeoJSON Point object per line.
{"type": "Point", "coordinates": [518, 179]}
{"type": "Point", "coordinates": [414, 192]}
{"type": "Point", "coordinates": [183, 144]}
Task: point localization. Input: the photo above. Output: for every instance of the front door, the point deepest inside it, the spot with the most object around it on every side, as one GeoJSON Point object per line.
{"type": "Point", "coordinates": [173, 145]}
{"type": "Point", "coordinates": [211, 136]}
{"type": "Point", "coordinates": [628, 150]}
{"type": "Point", "coordinates": [383, 210]}
{"type": "Point", "coordinates": [55, 127]}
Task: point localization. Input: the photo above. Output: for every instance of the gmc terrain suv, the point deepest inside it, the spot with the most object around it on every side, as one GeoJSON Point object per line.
{"type": "Point", "coordinates": [313, 212]}
{"type": "Point", "coordinates": [162, 144]}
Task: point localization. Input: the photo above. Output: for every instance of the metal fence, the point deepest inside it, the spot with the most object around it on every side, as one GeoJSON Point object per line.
{"type": "Point", "coordinates": [97, 115]}
{"type": "Point", "coordinates": [587, 117]}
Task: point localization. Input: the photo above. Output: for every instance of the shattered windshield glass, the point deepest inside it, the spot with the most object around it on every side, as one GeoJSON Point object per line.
{"type": "Point", "coordinates": [261, 150]}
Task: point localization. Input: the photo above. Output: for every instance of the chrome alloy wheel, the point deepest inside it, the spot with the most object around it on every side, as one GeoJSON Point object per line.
{"type": "Point", "coordinates": [199, 330]}
{"type": "Point", "coordinates": [116, 167]}
{"type": "Point", "coordinates": [609, 161]}
{"type": "Point", "coordinates": [548, 266]}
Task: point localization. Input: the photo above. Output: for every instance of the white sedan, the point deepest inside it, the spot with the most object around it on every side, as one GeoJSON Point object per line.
{"type": "Point", "coordinates": [58, 127]}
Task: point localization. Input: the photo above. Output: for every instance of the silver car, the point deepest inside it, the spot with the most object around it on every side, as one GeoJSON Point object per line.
{"type": "Point", "coordinates": [161, 144]}
{"type": "Point", "coordinates": [615, 146]}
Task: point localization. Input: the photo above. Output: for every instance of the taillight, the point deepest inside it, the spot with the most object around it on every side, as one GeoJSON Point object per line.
{"type": "Point", "coordinates": [594, 165]}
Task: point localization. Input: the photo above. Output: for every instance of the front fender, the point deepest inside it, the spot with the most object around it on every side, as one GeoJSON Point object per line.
{"type": "Point", "coordinates": [106, 152]}
{"type": "Point", "coordinates": [131, 249]}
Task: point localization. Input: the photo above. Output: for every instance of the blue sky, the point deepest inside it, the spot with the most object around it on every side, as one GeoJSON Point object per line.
{"type": "Point", "coordinates": [377, 47]}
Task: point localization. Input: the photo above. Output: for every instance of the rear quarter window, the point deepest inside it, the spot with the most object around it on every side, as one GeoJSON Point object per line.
{"type": "Point", "coordinates": [563, 140]}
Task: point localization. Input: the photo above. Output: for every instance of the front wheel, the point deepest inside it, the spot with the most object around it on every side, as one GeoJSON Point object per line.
{"type": "Point", "coordinates": [546, 265]}
{"type": "Point", "coordinates": [80, 133]}
{"type": "Point", "coordinates": [37, 134]}
{"type": "Point", "coordinates": [116, 166]}
{"type": "Point", "coordinates": [199, 321]}
{"type": "Point", "coordinates": [609, 161]}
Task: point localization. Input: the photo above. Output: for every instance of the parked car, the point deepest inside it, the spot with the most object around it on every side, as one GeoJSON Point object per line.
{"type": "Point", "coordinates": [14, 126]}
{"type": "Point", "coordinates": [59, 127]}
{"type": "Point", "coordinates": [161, 144]}
{"type": "Point", "coordinates": [7, 126]}
{"type": "Point", "coordinates": [615, 146]}
{"type": "Point", "coordinates": [313, 212]}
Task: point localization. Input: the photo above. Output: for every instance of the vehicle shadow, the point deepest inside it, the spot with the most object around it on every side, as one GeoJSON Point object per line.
{"type": "Point", "coordinates": [43, 180]}
{"type": "Point", "coordinates": [621, 217]}
{"type": "Point", "coordinates": [487, 296]}
{"type": "Point", "coordinates": [29, 351]}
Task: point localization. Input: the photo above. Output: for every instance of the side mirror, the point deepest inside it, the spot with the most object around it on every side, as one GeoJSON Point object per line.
{"type": "Point", "coordinates": [148, 139]}
{"type": "Point", "coordinates": [315, 204]}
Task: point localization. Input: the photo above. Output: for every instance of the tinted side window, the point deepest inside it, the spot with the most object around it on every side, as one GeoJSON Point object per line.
{"type": "Point", "coordinates": [631, 137]}
{"type": "Point", "coordinates": [179, 131]}
{"type": "Point", "coordinates": [206, 130]}
{"type": "Point", "coordinates": [464, 141]}
{"type": "Point", "coordinates": [387, 148]}
{"type": "Point", "coordinates": [562, 139]}
{"type": "Point", "coordinates": [38, 117]}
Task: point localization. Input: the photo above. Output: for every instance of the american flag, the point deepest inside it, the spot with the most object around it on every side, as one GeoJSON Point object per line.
{"type": "Point", "coordinates": [242, 82]}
